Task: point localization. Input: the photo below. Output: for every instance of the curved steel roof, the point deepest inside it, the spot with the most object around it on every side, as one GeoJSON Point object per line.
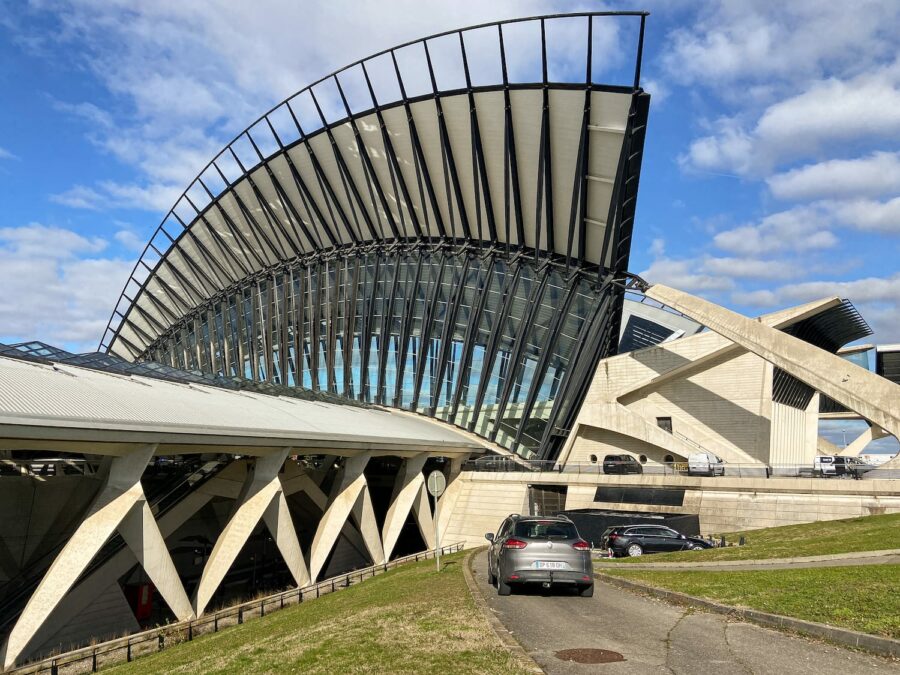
{"type": "Point", "coordinates": [538, 166]}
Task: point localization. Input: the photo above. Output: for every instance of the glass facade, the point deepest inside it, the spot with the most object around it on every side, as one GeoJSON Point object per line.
{"type": "Point", "coordinates": [491, 343]}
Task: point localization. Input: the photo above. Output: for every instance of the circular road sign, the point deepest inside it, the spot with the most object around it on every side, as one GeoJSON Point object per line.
{"type": "Point", "coordinates": [436, 483]}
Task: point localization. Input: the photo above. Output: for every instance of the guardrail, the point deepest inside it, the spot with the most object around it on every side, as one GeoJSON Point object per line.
{"type": "Point", "coordinates": [90, 659]}
{"type": "Point", "coordinates": [734, 470]}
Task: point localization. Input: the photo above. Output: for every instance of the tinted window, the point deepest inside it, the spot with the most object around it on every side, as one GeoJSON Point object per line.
{"type": "Point", "coordinates": [546, 529]}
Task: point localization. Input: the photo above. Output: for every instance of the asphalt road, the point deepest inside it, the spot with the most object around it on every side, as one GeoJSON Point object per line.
{"type": "Point", "coordinates": [656, 637]}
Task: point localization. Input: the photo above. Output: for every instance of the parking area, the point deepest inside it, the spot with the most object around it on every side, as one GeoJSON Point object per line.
{"type": "Point", "coordinates": [652, 636]}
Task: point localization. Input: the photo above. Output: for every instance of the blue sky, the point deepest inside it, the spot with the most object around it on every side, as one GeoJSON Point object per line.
{"type": "Point", "coordinates": [771, 172]}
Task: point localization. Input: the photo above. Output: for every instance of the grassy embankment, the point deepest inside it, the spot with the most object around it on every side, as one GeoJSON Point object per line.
{"type": "Point", "coordinates": [871, 533]}
{"type": "Point", "coordinates": [408, 620]}
{"type": "Point", "coordinates": [862, 597]}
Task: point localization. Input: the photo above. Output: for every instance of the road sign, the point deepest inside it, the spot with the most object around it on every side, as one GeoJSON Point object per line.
{"type": "Point", "coordinates": [436, 483]}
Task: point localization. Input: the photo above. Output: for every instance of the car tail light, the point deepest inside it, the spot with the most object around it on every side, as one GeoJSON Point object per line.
{"type": "Point", "coordinates": [581, 545]}
{"type": "Point", "coordinates": [514, 543]}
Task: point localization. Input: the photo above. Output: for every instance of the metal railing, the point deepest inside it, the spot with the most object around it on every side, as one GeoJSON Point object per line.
{"type": "Point", "coordinates": [733, 470]}
{"type": "Point", "coordinates": [91, 659]}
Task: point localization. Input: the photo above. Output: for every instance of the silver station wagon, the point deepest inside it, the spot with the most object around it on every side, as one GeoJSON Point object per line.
{"type": "Point", "coordinates": [536, 550]}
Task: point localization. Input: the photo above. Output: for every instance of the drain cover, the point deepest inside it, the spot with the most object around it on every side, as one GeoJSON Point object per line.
{"type": "Point", "coordinates": [589, 656]}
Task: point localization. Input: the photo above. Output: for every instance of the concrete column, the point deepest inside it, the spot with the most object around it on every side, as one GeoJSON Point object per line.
{"type": "Point", "coordinates": [349, 495]}
{"type": "Point", "coordinates": [858, 444]}
{"type": "Point", "coordinates": [121, 504]}
{"type": "Point", "coordinates": [261, 489]}
{"type": "Point", "coordinates": [409, 489]}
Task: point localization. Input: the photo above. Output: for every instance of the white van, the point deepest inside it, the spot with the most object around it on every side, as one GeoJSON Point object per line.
{"type": "Point", "coordinates": [705, 464]}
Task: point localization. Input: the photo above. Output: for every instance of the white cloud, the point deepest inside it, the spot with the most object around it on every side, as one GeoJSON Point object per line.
{"type": "Point", "coordinates": [751, 268]}
{"type": "Point", "coordinates": [188, 76]}
{"type": "Point", "coordinates": [877, 299]}
{"type": "Point", "coordinates": [130, 240]}
{"type": "Point", "coordinates": [769, 41]}
{"type": "Point", "coordinates": [800, 229]}
{"type": "Point", "coordinates": [871, 176]}
{"type": "Point", "coordinates": [826, 114]}
{"type": "Point", "coordinates": [50, 292]}
{"type": "Point", "coordinates": [686, 275]}
{"type": "Point", "coordinates": [6, 154]}
{"type": "Point", "coordinates": [868, 214]}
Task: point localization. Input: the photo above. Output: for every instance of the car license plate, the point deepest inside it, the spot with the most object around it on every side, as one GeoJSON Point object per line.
{"type": "Point", "coordinates": [550, 565]}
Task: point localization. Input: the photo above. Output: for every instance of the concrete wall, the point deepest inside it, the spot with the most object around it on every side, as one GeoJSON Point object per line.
{"type": "Point", "coordinates": [723, 504]}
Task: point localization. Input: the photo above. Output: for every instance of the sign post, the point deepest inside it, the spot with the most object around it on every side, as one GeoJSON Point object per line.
{"type": "Point", "coordinates": [436, 485]}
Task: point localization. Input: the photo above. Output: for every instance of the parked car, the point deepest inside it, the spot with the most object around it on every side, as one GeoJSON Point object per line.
{"type": "Point", "coordinates": [705, 464]}
{"type": "Point", "coordinates": [535, 550]}
{"type": "Point", "coordinates": [621, 464]}
{"type": "Point", "coordinates": [635, 540]}
{"type": "Point", "coordinates": [835, 465]}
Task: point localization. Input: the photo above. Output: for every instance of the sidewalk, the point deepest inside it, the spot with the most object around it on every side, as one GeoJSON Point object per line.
{"type": "Point", "coordinates": [885, 557]}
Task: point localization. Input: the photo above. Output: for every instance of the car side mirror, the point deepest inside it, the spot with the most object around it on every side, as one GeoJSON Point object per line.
{"type": "Point", "coordinates": [489, 536]}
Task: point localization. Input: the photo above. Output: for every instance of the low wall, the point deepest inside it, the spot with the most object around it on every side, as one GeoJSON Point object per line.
{"type": "Point", "coordinates": [723, 504]}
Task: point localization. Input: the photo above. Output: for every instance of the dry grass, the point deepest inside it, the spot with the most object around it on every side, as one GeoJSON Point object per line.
{"type": "Point", "coordinates": [408, 620]}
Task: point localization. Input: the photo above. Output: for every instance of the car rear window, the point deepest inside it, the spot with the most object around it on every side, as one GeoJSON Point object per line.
{"type": "Point", "coordinates": [545, 529]}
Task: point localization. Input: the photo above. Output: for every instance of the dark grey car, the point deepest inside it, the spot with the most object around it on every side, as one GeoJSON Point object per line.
{"type": "Point", "coordinates": [536, 550]}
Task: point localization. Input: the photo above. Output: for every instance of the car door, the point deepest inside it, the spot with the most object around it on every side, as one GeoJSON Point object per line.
{"type": "Point", "coordinates": [496, 545]}
{"type": "Point", "coordinates": [670, 540]}
{"type": "Point", "coordinates": [649, 539]}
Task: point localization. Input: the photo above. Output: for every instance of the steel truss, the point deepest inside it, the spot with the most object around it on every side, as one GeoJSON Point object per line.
{"type": "Point", "coordinates": [423, 264]}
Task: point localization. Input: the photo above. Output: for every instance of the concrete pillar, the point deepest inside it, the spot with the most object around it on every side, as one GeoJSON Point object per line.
{"type": "Point", "coordinates": [349, 495]}
{"type": "Point", "coordinates": [450, 497]}
{"type": "Point", "coordinates": [858, 444]}
{"type": "Point", "coordinates": [261, 490]}
{"type": "Point", "coordinates": [121, 505]}
{"type": "Point", "coordinates": [409, 489]}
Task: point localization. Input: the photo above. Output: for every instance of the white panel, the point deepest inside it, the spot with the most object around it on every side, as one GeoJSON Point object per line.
{"type": "Point", "coordinates": [425, 117]}
{"type": "Point", "coordinates": [609, 113]}
{"type": "Point", "coordinates": [230, 206]}
{"type": "Point", "coordinates": [566, 111]}
{"type": "Point", "coordinates": [370, 132]}
{"type": "Point", "coordinates": [201, 232]}
{"type": "Point", "coordinates": [526, 110]}
{"type": "Point", "coordinates": [395, 121]}
{"type": "Point", "coordinates": [282, 171]}
{"type": "Point", "coordinates": [490, 122]}
{"type": "Point", "coordinates": [303, 164]}
{"type": "Point", "coordinates": [276, 219]}
{"type": "Point", "coordinates": [257, 221]}
{"type": "Point", "coordinates": [456, 116]}
{"type": "Point", "coordinates": [346, 144]}
{"type": "Point", "coordinates": [321, 146]}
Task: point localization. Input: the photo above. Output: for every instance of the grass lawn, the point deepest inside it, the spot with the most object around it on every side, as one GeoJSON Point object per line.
{"type": "Point", "coordinates": [871, 533]}
{"type": "Point", "coordinates": [408, 620]}
{"type": "Point", "coordinates": [862, 598]}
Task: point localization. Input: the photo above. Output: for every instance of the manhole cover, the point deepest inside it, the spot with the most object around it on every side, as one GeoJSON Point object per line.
{"type": "Point", "coordinates": [589, 656]}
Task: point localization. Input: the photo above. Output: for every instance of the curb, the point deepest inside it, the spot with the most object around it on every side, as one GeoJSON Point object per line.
{"type": "Point", "coordinates": [871, 643]}
{"type": "Point", "coordinates": [760, 562]}
{"type": "Point", "coordinates": [505, 637]}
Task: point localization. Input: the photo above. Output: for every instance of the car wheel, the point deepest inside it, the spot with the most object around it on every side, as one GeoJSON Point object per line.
{"type": "Point", "coordinates": [634, 550]}
{"type": "Point", "coordinates": [695, 547]}
{"type": "Point", "coordinates": [491, 578]}
{"type": "Point", "coordinates": [587, 591]}
{"type": "Point", "coordinates": [502, 588]}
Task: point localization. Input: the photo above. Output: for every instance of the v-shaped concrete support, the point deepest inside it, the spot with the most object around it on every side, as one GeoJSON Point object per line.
{"type": "Point", "coordinates": [349, 495]}
{"type": "Point", "coordinates": [261, 497]}
{"type": "Point", "coordinates": [121, 505]}
{"type": "Point", "coordinates": [409, 496]}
